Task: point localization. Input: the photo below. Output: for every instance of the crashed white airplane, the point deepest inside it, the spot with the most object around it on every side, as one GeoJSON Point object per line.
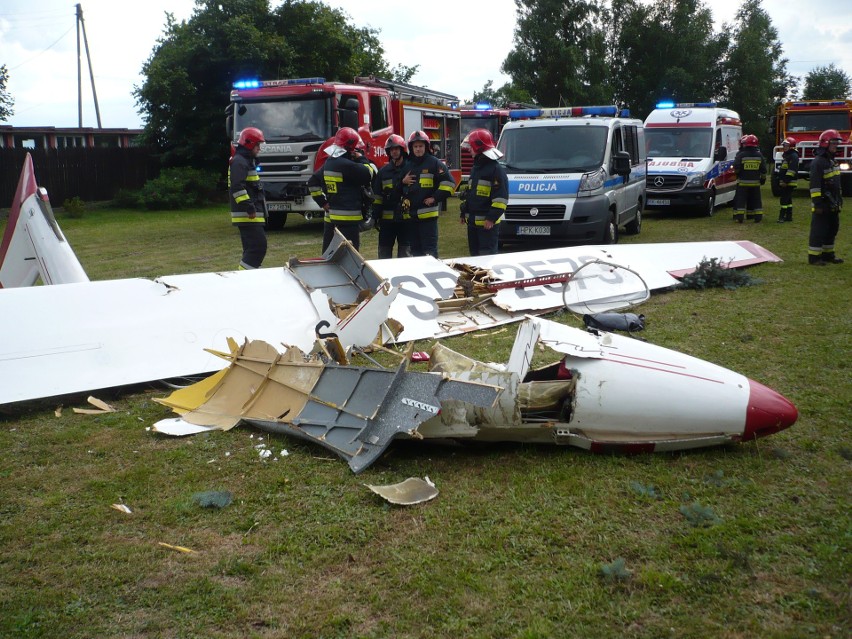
{"type": "Point", "coordinates": [77, 335]}
{"type": "Point", "coordinates": [606, 393]}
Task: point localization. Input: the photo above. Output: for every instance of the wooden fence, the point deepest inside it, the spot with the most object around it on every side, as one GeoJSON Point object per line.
{"type": "Point", "coordinates": [92, 174]}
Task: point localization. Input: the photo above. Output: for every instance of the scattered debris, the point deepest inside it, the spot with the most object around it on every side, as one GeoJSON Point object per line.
{"type": "Point", "coordinates": [407, 493]}
{"type": "Point", "coordinates": [101, 407]}
{"type": "Point", "coordinates": [650, 491]}
{"type": "Point", "coordinates": [698, 515]}
{"type": "Point", "coordinates": [182, 549]}
{"type": "Point", "coordinates": [714, 273]}
{"type": "Point", "coordinates": [616, 571]}
{"type": "Point", "coordinates": [58, 411]}
{"type": "Point", "coordinates": [121, 508]}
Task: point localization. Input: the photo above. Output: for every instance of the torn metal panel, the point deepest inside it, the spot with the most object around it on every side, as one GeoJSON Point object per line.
{"type": "Point", "coordinates": [407, 493]}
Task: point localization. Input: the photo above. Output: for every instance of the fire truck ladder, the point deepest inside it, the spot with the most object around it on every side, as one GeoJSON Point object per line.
{"type": "Point", "coordinates": [409, 91]}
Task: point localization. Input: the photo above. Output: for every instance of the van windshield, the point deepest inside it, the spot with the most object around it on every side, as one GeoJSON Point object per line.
{"type": "Point", "coordinates": [569, 149]}
{"type": "Point", "coordinates": [679, 143]}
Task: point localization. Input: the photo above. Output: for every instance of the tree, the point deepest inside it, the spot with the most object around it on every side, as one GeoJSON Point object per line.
{"type": "Point", "coordinates": [757, 77]}
{"type": "Point", "coordinates": [6, 100]}
{"type": "Point", "coordinates": [666, 50]}
{"type": "Point", "coordinates": [189, 74]}
{"type": "Point", "coordinates": [559, 54]}
{"type": "Point", "coordinates": [826, 83]}
{"type": "Point", "coordinates": [506, 94]}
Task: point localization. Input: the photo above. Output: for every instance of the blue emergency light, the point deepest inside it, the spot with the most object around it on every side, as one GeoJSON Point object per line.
{"type": "Point", "coordinates": [668, 104]}
{"type": "Point", "coordinates": [247, 84]}
{"type": "Point", "coordinates": [256, 84]}
{"type": "Point", "coordinates": [482, 106]}
{"type": "Point", "coordinates": [563, 112]}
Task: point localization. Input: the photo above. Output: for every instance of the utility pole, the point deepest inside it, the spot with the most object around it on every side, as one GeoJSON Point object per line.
{"type": "Point", "coordinates": [82, 24]}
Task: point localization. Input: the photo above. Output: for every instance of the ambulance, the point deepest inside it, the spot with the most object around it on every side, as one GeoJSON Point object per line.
{"type": "Point", "coordinates": [576, 175]}
{"type": "Point", "coordinates": [691, 149]}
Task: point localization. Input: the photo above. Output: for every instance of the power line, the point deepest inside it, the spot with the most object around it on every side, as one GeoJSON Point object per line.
{"type": "Point", "coordinates": [42, 51]}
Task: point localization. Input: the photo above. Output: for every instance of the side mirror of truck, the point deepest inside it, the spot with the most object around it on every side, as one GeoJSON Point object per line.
{"type": "Point", "coordinates": [621, 163]}
{"type": "Point", "coordinates": [721, 154]}
{"type": "Point", "coordinates": [348, 118]}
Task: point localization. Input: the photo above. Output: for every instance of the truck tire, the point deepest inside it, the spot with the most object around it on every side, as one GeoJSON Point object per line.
{"type": "Point", "coordinates": [634, 226]}
{"type": "Point", "coordinates": [846, 184]}
{"type": "Point", "coordinates": [275, 220]}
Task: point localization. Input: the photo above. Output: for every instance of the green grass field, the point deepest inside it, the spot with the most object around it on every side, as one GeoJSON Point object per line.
{"type": "Point", "coordinates": [523, 541]}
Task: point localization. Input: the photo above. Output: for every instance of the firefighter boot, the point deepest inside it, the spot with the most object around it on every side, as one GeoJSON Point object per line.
{"type": "Point", "coordinates": [749, 216]}
{"type": "Point", "coordinates": [816, 260]}
{"type": "Point", "coordinates": [789, 216]}
{"type": "Point", "coordinates": [758, 217]}
{"type": "Point", "coordinates": [782, 216]}
{"type": "Point", "coordinates": [831, 258]}
{"type": "Point", "coordinates": [739, 217]}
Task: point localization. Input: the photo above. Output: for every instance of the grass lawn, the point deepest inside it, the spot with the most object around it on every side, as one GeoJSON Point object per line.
{"type": "Point", "coordinates": [523, 541]}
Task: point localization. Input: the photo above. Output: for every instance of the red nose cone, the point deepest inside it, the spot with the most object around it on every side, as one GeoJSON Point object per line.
{"type": "Point", "coordinates": [767, 412]}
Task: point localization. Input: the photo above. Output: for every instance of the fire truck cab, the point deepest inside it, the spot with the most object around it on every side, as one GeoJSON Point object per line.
{"type": "Point", "coordinates": [299, 116]}
{"type": "Point", "coordinates": [804, 121]}
{"type": "Point", "coordinates": [691, 150]}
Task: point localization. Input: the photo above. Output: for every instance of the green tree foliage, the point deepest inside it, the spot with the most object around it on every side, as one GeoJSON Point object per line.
{"type": "Point", "coordinates": [826, 83]}
{"type": "Point", "coordinates": [665, 50]}
{"type": "Point", "coordinates": [559, 56]}
{"type": "Point", "coordinates": [6, 100]}
{"type": "Point", "coordinates": [189, 74]}
{"type": "Point", "coordinates": [757, 76]}
{"type": "Point", "coordinates": [507, 94]}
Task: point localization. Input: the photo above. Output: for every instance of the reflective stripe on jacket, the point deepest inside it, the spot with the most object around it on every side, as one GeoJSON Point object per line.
{"type": "Point", "coordinates": [245, 189]}
{"type": "Point", "coordinates": [488, 192]}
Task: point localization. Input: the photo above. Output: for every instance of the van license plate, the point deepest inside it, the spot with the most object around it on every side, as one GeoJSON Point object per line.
{"type": "Point", "coordinates": [278, 206]}
{"type": "Point", "coordinates": [533, 230]}
{"type": "Point", "coordinates": [659, 202]}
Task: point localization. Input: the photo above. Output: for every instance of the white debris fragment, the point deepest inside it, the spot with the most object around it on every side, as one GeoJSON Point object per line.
{"type": "Point", "coordinates": [407, 493]}
{"type": "Point", "coordinates": [265, 453]}
{"type": "Point", "coordinates": [121, 508]}
{"type": "Point", "coordinates": [227, 454]}
{"type": "Point", "coordinates": [284, 452]}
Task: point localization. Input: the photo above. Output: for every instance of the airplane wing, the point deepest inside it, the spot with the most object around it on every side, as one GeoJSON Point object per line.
{"type": "Point", "coordinates": [33, 244]}
{"type": "Point", "coordinates": [82, 336]}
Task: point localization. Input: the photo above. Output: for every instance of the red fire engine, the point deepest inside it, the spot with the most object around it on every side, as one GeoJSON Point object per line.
{"type": "Point", "coordinates": [804, 121]}
{"type": "Point", "coordinates": [298, 116]}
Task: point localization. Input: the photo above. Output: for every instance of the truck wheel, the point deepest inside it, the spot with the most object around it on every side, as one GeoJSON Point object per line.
{"type": "Point", "coordinates": [846, 184]}
{"type": "Point", "coordinates": [611, 231]}
{"type": "Point", "coordinates": [710, 207]}
{"type": "Point", "coordinates": [276, 220]}
{"type": "Point", "coordinates": [635, 225]}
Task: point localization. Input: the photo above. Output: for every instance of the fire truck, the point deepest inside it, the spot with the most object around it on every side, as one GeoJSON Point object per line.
{"type": "Point", "coordinates": [480, 116]}
{"type": "Point", "coordinates": [299, 116]}
{"type": "Point", "coordinates": [804, 121]}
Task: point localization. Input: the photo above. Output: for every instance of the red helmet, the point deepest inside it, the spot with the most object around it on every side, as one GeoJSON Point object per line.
{"type": "Point", "coordinates": [347, 139]}
{"type": "Point", "coordinates": [749, 140]}
{"type": "Point", "coordinates": [480, 140]}
{"type": "Point", "coordinates": [829, 135]}
{"type": "Point", "coordinates": [419, 136]}
{"type": "Point", "coordinates": [789, 141]}
{"type": "Point", "coordinates": [250, 137]}
{"type": "Point", "coordinates": [396, 140]}
{"type": "Point", "coordinates": [361, 146]}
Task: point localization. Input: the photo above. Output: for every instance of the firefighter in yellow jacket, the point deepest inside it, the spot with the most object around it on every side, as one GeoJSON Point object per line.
{"type": "Point", "coordinates": [750, 167]}
{"type": "Point", "coordinates": [248, 209]}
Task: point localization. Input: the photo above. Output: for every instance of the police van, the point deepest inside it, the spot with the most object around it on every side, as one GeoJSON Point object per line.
{"type": "Point", "coordinates": [691, 150]}
{"type": "Point", "coordinates": [576, 175]}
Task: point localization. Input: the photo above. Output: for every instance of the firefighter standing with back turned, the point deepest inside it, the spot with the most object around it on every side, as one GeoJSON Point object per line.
{"type": "Point", "coordinates": [393, 223]}
{"type": "Point", "coordinates": [338, 188]}
{"type": "Point", "coordinates": [787, 178]}
{"type": "Point", "coordinates": [750, 168]}
{"type": "Point", "coordinates": [427, 184]}
{"type": "Point", "coordinates": [488, 194]}
{"type": "Point", "coordinates": [247, 204]}
{"type": "Point", "coordinates": [826, 201]}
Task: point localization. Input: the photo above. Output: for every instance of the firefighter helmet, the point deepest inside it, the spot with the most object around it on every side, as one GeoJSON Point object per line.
{"type": "Point", "coordinates": [250, 137]}
{"type": "Point", "coordinates": [481, 141]}
{"type": "Point", "coordinates": [828, 136]}
{"type": "Point", "coordinates": [789, 142]}
{"type": "Point", "coordinates": [395, 140]}
{"type": "Point", "coordinates": [750, 140]}
{"type": "Point", "coordinates": [418, 136]}
{"type": "Point", "coordinates": [347, 139]}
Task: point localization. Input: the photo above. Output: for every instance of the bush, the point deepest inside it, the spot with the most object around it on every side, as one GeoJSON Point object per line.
{"type": "Point", "coordinates": [175, 188]}
{"type": "Point", "coordinates": [713, 273]}
{"type": "Point", "coordinates": [74, 207]}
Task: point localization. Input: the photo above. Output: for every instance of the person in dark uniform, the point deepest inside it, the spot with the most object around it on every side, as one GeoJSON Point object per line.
{"type": "Point", "coordinates": [826, 201]}
{"type": "Point", "coordinates": [787, 174]}
{"type": "Point", "coordinates": [338, 188]}
{"type": "Point", "coordinates": [488, 193]}
{"type": "Point", "coordinates": [750, 167]}
{"type": "Point", "coordinates": [393, 223]}
{"type": "Point", "coordinates": [427, 184]}
{"type": "Point", "coordinates": [248, 209]}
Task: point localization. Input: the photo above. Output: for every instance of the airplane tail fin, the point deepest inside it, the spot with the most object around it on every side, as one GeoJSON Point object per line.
{"type": "Point", "coordinates": [33, 245]}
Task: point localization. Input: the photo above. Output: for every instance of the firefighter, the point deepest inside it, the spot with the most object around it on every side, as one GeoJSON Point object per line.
{"type": "Point", "coordinates": [750, 168]}
{"type": "Point", "coordinates": [367, 222]}
{"type": "Point", "coordinates": [248, 209]}
{"type": "Point", "coordinates": [393, 223]}
{"type": "Point", "coordinates": [428, 184]}
{"type": "Point", "coordinates": [488, 193]}
{"type": "Point", "coordinates": [787, 173]}
{"type": "Point", "coordinates": [826, 201]}
{"type": "Point", "coordinates": [338, 188]}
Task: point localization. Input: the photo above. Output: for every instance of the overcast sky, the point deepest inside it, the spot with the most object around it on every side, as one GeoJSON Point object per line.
{"type": "Point", "coordinates": [39, 48]}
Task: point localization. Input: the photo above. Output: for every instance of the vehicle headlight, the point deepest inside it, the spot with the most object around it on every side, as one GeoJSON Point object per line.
{"type": "Point", "coordinates": [695, 179]}
{"type": "Point", "coordinates": [844, 166]}
{"type": "Point", "coordinates": [592, 181]}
